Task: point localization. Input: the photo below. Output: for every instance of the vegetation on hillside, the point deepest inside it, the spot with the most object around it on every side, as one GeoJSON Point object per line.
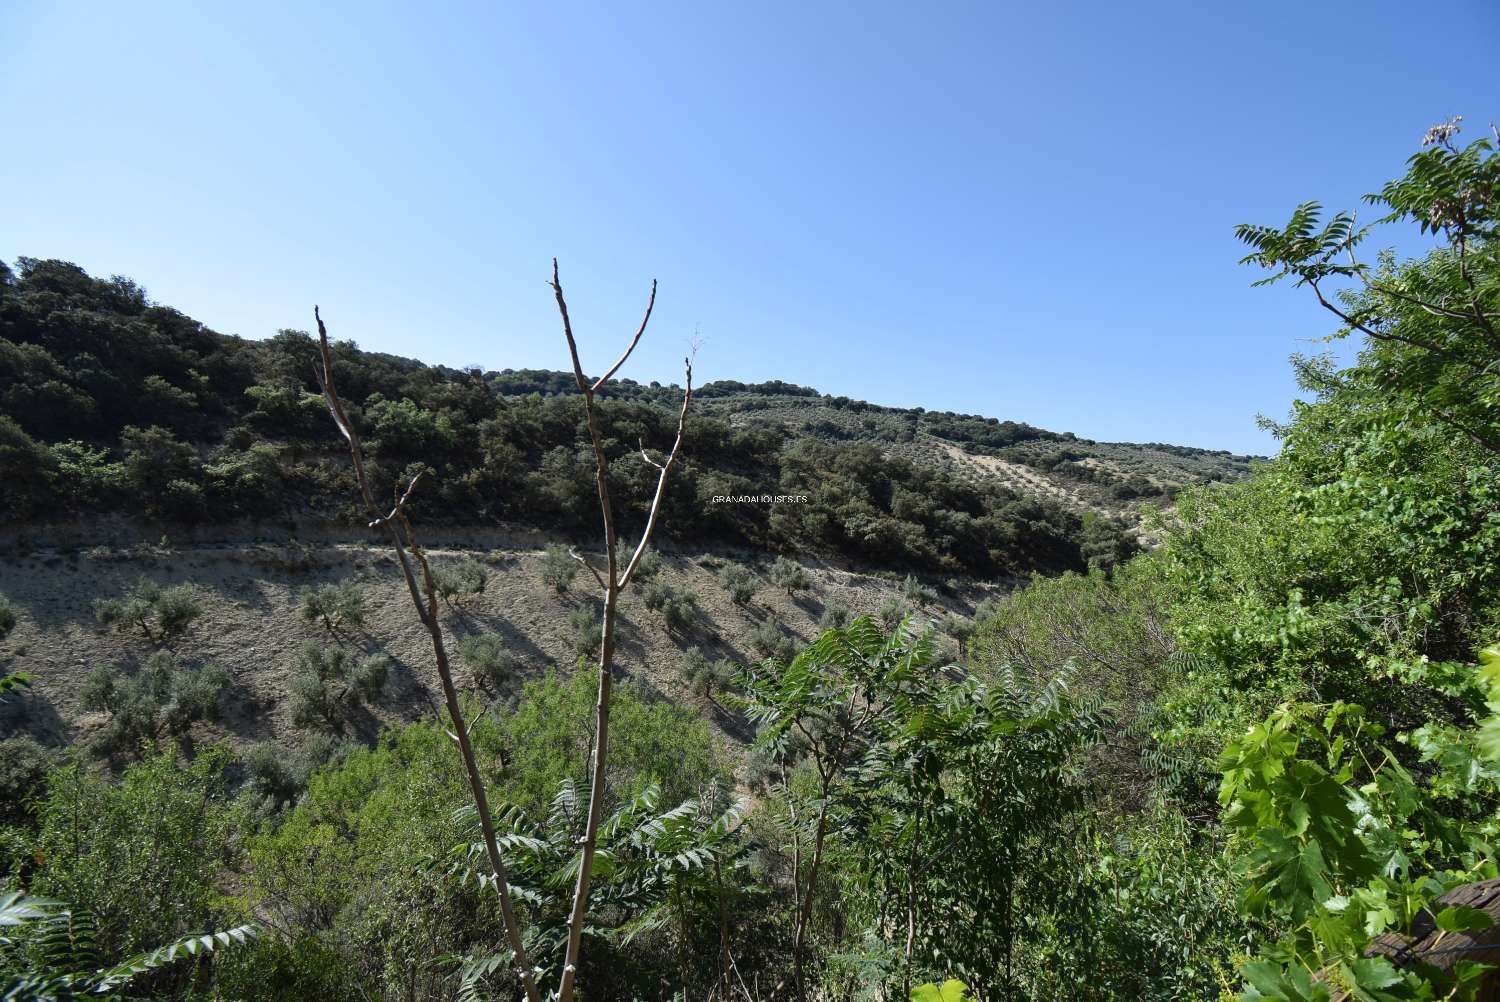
{"type": "Point", "coordinates": [110, 402]}
{"type": "Point", "coordinates": [1217, 769]}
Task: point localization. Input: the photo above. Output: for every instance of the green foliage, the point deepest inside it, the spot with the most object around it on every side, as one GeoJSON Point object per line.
{"type": "Point", "coordinates": [903, 767]}
{"type": "Point", "coordinates": [463, 579]}
{"type": "Point", "coordinates": [7, 617]}
{"type": "Point", "coordinates": [360, 866]}
{"type": "Point", "coordinates": [584, 624]}
{"type": "Point", "coordinates": [58, 953]}
{"type": "Point", "coordinates": [892, 611]}
{"type": "Point", "coordinates": [916, 594]}
{"type": "Point", "coordinates": [677, 607]}
{"type": "Point", "coordinates": [329, 684]}
{"type": "Point", "coordinates": [162, 695]}
{"type": "Point", "coordinates": [143, 853]}
{"type": "Point", "coordinates": [1345, 843]}
{"type": "Point", "coordinates": [488, 659]}
{"type": "Point", "coordinates": [656, 861]}
{"type": "Point", "coordinates": [951, 990]}
{"type": "Point", "coordinates": [739, 582]}
{"type": "Point", "coordinates": [648, 567]}
{"type": "Point", "coordinates": [706, 676]}
{"type": "Point", "coordinates": [23, 770]}
{"type": "Point", "coordinates": [548, 739]}
{"type": "Point", "coordinates": [790, 576]}
{"type": "Point", "coordinates": [770, 640]}
{"type": "Point", "coordinates": [558, 568]}
{"type": "Point", "coordinates": [334, 605]}
{"type": "Point", "coordinates": [161, 613]}
{"type": "Point", "coordinates": [835, 616]}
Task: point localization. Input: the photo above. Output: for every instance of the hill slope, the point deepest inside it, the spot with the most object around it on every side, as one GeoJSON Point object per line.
{"type": "Point", "coordinates": [110, 403]}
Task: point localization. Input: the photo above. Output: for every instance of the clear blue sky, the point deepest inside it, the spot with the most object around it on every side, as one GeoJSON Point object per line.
{"type": "Point", "coordinates": [1021, 210]}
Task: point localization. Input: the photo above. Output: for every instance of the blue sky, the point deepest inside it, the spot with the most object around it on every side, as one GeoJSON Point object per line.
{"type": "Point", "coordinates": [1023, 211]}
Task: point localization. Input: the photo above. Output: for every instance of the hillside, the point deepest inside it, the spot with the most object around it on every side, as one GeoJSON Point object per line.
{"type": "Point", "coordinates": [111, 404]}
{"type": "Point", "coordinates": [250, 625]}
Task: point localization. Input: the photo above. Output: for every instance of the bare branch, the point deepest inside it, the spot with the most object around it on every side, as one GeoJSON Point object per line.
{"type": "Point", "coordinates": [661, 481]}
{"type": "Point", "coordinates": [613, 583]}
{"type": "Point", "coordinates": [647, 458]}
{"type": "Point", "coordinates": [650, 304]}
{"type": "Point", "coordinates": [587, 566]}
{"type": "Point", "coordinates": [398, 529]}
{"type": "Point", "coordinates": [562, 307]}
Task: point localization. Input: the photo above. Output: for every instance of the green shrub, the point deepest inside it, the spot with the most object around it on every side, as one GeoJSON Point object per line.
{"type": "Point", "coordinates": [489, 661]}
{"type": "Point", "coordinates": [548, 738]}
{"type": "Point", "coordinates": [584, 624]}
{"type": "Point", "coordinates": [705, 676]}
{"type": "Point", "coordinates": [463, 579]}
{"type": "Point", "coordinates": [23, 771]}
{"type": "Point", "coordinates": [329, 682]}
{"type": "Point", "coordinates": [558, 567]}
{"type": "Point", "coordinates": [739, 582]}
{"type": "Point", "coordinates": [334, 605]}
{"type": "Point", "coordinates": [370, 675]}
{"type": "Point", "coordinates": [647, 569]}
{"type": "Point", "coordinates": [790, 576]}
{"type": "Point", "coordinates": [7, 617]}
{"type": "Point", "coordinates": [271, 773]}
{"type": "Point", "coordinates": [677, 607]}
{"type": "Point", "coordinates": [915, 593]}
{"type": "Point", "coordinates": [161, 613]}
{"type": "Point", "coordinates": [893, 611]}
{"type": "Point", "coordinates": [162, 695]}
{"type": "Point", "coordinates": [770, 640]}
{"type": "Point", "coordinates": [835, 616]}
{"type": "Point", "coordinates": [144, 854]}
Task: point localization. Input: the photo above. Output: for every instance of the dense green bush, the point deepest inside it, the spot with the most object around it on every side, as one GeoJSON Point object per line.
{"type": "Point", "coordinates": [835, 616]}
{"type": "Point", "coordinates": [143, 853]}
{"type": "Point", "coordinates": [739, 582]}
{"type": "Point", "coordinates": [677, 607]}
{"type": "Point", "coordinates": [163, 695]}
{"type": "Point", "coordinates": [329, 683]}
{"type": "Point", "coordinates": [459, 580]}
{"type": "Point", "coordinates": [706, 676]}
{"type": "Point", "coordinates": [161, 613]}
{"type": "Point", "coordinates": [558, 568]}
{"type": "Point", "coordinates": [334, 605]}
{"type": "Point", "coordinates": [584, 624]}
{"type": "Point", "coordinates": [23, 770]}
{"type": "Point", "coordinates": [790, 576]}
{"type": "Point", "coordinates": [488, 659]}
{"type": "Point", "coordinates": [770, 640]}
{"type": "Point", "coordinates": [646, 569]}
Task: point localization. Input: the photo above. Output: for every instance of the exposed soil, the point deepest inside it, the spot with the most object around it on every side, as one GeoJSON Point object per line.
{"type": "Point", "coordinates": [251, 624]}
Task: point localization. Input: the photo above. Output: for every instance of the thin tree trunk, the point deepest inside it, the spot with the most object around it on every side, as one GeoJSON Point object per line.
{"type": "Point", "coordinates": [805, 904]}
{"type": "Point", "coordinates": [398, 528]}
{"type": "Point", "coordinates": [613, 583]}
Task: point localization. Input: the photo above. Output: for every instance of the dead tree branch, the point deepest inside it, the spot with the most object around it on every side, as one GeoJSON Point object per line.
{"type": "Point", "coordinates": [398, 528]}
{"type": "Point", "coordinates": [613, 583]}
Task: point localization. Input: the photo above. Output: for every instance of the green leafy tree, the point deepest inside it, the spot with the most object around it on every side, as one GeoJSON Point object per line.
{"type": "Point", "coordinates": [328, 683]}
{"type": "Point", "coordinates": [457, 581]}
{"type": "Point", "coordinates": [488, 658]}
{"type": "Point", "coordinates": [739, 582]}
{"type": "Point", "coordinates": [161, 613]}
{"type": "Point", "coordinates": [558, 568]}
{"type": "Point", "coordinates": [335, 606]}
{"type": "Point", "coordinates": [790, 576]}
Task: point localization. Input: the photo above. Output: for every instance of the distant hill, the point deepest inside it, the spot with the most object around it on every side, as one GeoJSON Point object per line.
{"type": "Point", "coordinates": [110, 403]}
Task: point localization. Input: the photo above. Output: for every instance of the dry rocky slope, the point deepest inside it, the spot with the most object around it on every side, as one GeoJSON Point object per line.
{"type": "Point", "coordinates": [251, 624]}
